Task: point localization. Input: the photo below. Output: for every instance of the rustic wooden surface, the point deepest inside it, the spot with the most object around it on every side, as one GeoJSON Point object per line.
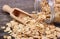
{"type": "Point", "coordinates": [26, 5]}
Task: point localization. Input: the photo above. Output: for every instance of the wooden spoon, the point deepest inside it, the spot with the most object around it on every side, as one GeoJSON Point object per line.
{"type": "Point", "coordinates": [16, 13]}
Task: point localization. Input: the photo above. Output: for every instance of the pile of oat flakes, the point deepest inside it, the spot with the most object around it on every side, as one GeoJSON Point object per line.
{"type": "Point", "coordinates": [34, 28]}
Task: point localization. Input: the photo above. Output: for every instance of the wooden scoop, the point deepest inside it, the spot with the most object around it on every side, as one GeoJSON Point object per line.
{"type": "Point", "coordinates": [16, 13]}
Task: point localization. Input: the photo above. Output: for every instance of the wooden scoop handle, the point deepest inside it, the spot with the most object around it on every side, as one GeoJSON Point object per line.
{"type": "Point", "coordinates": [7, 8]}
